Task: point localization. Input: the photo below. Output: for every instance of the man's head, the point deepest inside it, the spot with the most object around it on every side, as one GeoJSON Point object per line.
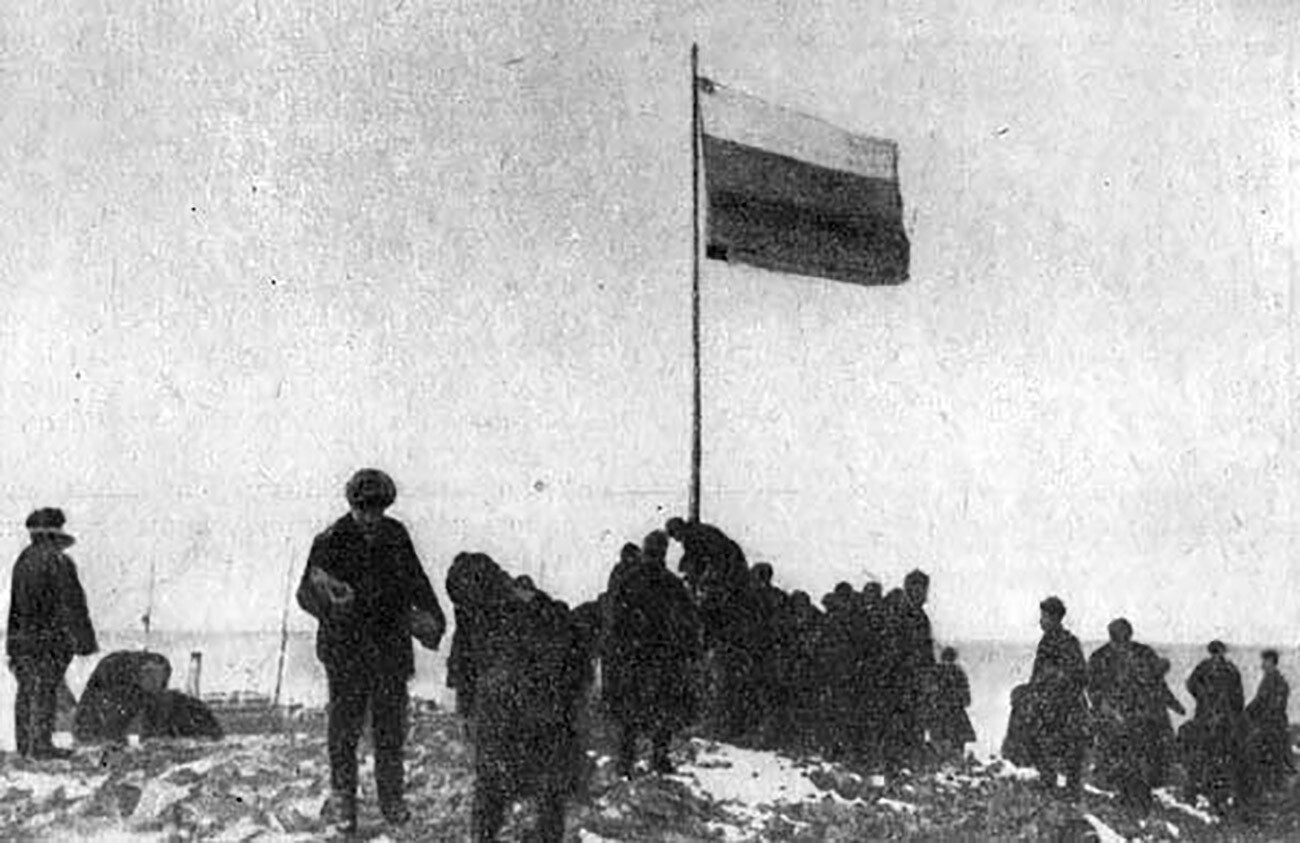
{"type": "Point", "coordinates": [654, 548]}
{"type": "Point", "coordinates": [1050, 613]}
{"type": "Point", "coordinates": [46, 525]}
{"type": "Point", "coordinates": [1120, 631]}
{"type": "Point", "coordinates": [676, 528]}
{"type": "Point", "coordinates": [873, 592]}
{"type": "Point", "coordinates": [949, 655]}
{"type": "Point", "coordinates": [1268, 660]}
{"type": "Point", "coordinates": [369, 493]}
{"type": "Point", "coordinates": [1216, 648]}
{"type": "Point", "coordinates": [761, 574]}
{"type": "Point", "coordinates": [629, 554]}
{"type": "Point", "coordinates": [916, 585]}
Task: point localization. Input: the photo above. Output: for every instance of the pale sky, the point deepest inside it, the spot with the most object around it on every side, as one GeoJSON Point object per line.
{"type": "Point", "coordinates": [246, 249]}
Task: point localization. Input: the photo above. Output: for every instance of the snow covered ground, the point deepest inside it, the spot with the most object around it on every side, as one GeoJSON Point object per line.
{"type": "Point", "coordinates": [273, 787]}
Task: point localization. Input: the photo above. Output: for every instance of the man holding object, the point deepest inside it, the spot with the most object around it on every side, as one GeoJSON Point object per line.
{"type": "Point", "coordinates": [366, 587]}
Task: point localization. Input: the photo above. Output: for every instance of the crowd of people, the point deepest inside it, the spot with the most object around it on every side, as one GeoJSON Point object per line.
{"type": "Point", "coordinates": [1118, 703]}
{"type": "Point", "coordinates": [714, 646]}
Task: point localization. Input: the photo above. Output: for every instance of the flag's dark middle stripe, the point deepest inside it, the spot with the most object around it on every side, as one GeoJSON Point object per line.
{"type": "Point", "coordinates": [779, 213]}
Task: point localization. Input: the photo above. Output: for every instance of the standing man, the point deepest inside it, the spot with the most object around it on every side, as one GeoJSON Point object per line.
{"type": "Point", "coordinates": [1212, 738]}
{"type": "Point", "coordinates": [651, 641]}
{"type": "Point", "coordinates": [365, 586]}
{"type": "Point", "coordinates": [1269, 740]}
{"type": "Point", "coordinates": [715, 568]}
{"type": "Point", "coordinates": [1060, 710]}
{"type": "Point", "coordinates": [909, 649]}
{"type": "Point", "coordinates": [48, 625]}
{"type": "Point", "coordinates": [1129, 710]}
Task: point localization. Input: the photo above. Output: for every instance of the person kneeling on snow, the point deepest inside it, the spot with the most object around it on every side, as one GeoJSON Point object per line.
{"type": "Point", "coordinates": [122, 688]}
{"type": "Point", "coordinates": [365, 586]}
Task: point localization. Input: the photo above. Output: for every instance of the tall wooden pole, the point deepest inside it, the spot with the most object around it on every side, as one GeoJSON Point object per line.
{"type": "Point", "coordinates": [696, 449]}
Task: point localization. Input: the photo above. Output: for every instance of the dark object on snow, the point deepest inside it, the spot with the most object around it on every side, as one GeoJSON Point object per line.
{"type": "Point", "coordinates": [120, 689]}
{"type": "Point", "coordinates": [361, 583]}
{"type": "Point", "coordinates": [48, 625]}
{"type": "Point", "coordinates": [529, 670]}
{"type": "Point", "coordinates": [172, 714]}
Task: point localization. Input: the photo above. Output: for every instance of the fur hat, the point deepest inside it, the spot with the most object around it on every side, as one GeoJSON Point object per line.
{"type": "Point", "coordinates": [48, 522]}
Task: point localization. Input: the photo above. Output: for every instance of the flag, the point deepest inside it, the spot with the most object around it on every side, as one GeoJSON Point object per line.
{"type": "Point", "coordinates": [791, 193]}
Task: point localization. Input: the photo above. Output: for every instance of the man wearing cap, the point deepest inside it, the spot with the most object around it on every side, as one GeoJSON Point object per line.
{"type": "Point", "coordinates": [48, 625]}
{"type": "Point", "coordinates": [1060, 709]}
{"type": "Point", "coordinates": [366, 587]}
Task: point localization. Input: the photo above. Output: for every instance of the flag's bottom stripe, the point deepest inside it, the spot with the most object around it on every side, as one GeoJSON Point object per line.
{"type": "Point", "coordinates": [791, 237]}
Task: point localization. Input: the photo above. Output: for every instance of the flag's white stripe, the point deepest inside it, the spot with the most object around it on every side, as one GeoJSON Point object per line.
{"type": "Point", "coordinates": [734, 116]}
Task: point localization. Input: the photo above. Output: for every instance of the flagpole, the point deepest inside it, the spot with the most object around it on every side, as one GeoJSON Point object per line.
{"type": "Point", "coordinates": [696, 449]}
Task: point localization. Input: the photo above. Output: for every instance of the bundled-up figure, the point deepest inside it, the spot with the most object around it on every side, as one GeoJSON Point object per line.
{"type": "Point", "coordinates": [767, 692]}
{"type": "Point", "coordinates": [1211, 741]}
{"type": "Point", "coordinates": [365, 586]}
{"type": "Point", "coordinates": [529, 670]}
{"type": "Point", "coordinates": [48, 625]}
{"type": "Point", "coordinates": [950, 727]}
{"type": "Point", "coordinates": [1268, 742]}
{"type": "Point", "coordinates": [125, 685]}
{"type": "Point", "coordinates": [716, 569]}
{"type": "Point", "coordinates": [1129, 710]}
{"type": "Point", "coordinates": [1048, 728]}
{"type": "Point", "coordinates": [798, 639]}
{"type": "Point", "coordinates": [651, 643]}
{"type": "Point", "coordinates": [838, 659]}
{"type": "Point", "coordinates": [908, 661]}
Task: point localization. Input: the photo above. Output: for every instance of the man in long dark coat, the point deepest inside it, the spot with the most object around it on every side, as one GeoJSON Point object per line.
{"type": "Point", "coordinates": [949, 725]}
{"type": "Point", "coordinates": [798, 668]}
{"type": "Point", "coordinates": [837, 659]}
{"type": "Point", "coordinates": [48, 624]}
{"type": "Point", "coordinates": [652, 640]}
{"type": "Point", "coordinates": [1124, 683]}
{"type": "Point", "coordinates": [766, 690]}
{"type": "Point", "coordinates": [1269, 740]}
{"type": "Point", "coordinates": [365, 586]}
{"type": "Point", "coordinates": [908, 662]}
{"type": "Point", "coordinates": [1060, 709]}
{"type": "Point", "coordinates": [475, 584]}
{"type": "Point", "coordinates": [1212, 739]}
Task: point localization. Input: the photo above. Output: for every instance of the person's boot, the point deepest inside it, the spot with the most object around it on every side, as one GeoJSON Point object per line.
{"type": "Point", "coordinates": [340, 812]}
